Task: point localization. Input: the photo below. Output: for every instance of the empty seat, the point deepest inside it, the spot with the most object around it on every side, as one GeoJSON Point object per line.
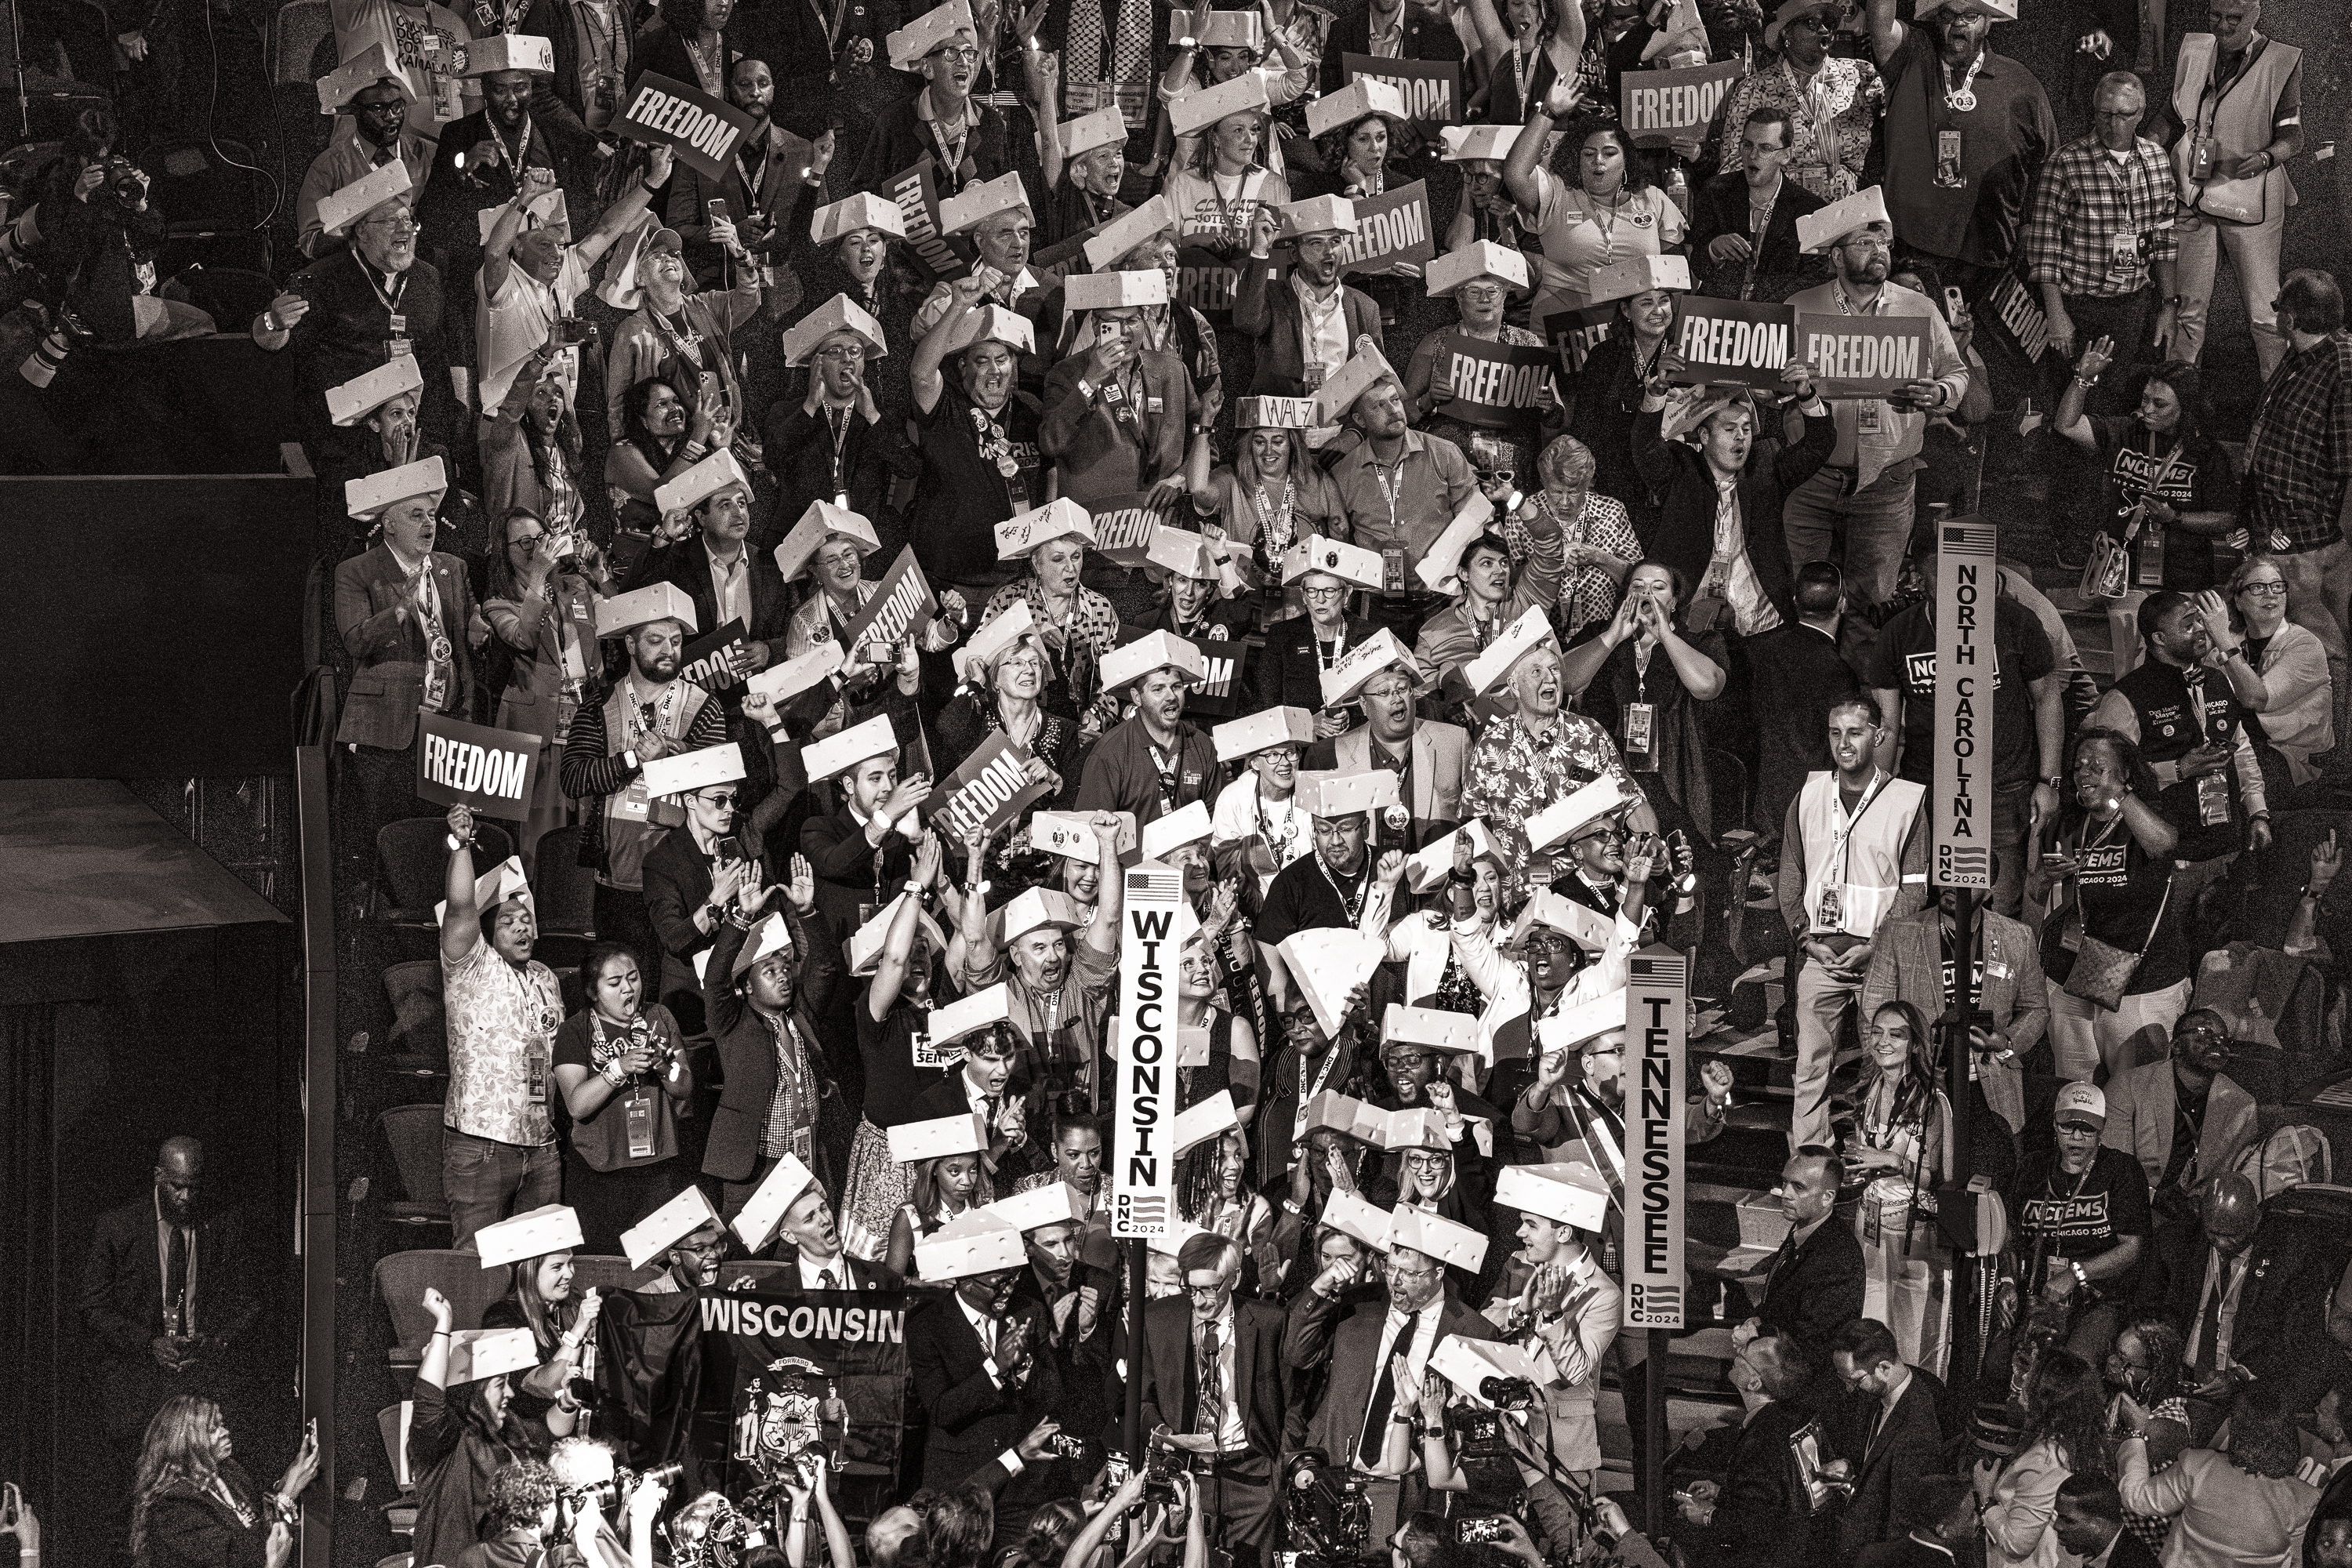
{"type": "Point", "coordinates": [401, 1278]}
{"type": "Point", "coordinates": [413, 1133]}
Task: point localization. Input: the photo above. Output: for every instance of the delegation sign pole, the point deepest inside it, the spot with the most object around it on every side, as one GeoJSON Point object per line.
{"type": "Point", "coordinates": [1143, 1101]}
{"type": "Point", "coordinates": [1960, 855]}
{"type": "Point", "coordinates": [1657, 1063]}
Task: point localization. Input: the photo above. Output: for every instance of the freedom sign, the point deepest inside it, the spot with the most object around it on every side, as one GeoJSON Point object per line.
{"type": "Point", "coordinates": [1574, 334]}
{"type": "Point", "coordinates": [1657, 1059]}
{"type": "Point", "coordinates": [1392, 228]}
{"type": "Point", "coordinates": [1431, 89]}
{"type": "Point", "coordinates": [1223, 662]}
{"type": "Point", "coordinates": [700, 129]}
{"type": "Point", "coordinates": [1206, 281]}
{"type": "Point", "coordinates": [1863, 356]}
{"type": "Point", "coordinates": [1662, 106]}
{"type": "Point", "coordinates": [1124, 525]}
{"type": "Point", "coordinates": [1143, 1133]}
{"type": "Point", "coordinates": [991, 789]}
{"type": "Point", "coordinates": [1731, 343]}
{"type": "Point", "coordinates": [489, 771]}
{"type": "Point", "coordinates": [710, 662]}
{"type": "Point", "coordinates": [1488, 379]}
{"type": "Point", "coordinates": [918, 195]}
{"type": "Point", "coordinates": [822, 1369]}
{"type": "Point", "coordinates": [1967, 686]}
{"type": "Point", "coordinates": [899, 603]}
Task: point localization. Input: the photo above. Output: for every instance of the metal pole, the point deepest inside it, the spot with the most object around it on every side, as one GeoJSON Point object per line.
{"type": "Point", "coordinates": [1960, 1056]}
{"type": "Point", "coordinates": [1131, 1431]}
{"type": "Point", "coordinates": [1653, 1456]}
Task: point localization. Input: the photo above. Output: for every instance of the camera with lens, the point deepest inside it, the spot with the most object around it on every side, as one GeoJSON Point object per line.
{"type": "Point", "coordinates": [122, 178]}
{"type": "Point", "coordinates": [1067, 1445]}
{"type": "Point", "coordinates": [1327, 1518]}
{"type": "Point", "coordinates": [608, 1496]}
{"type": "Point", "coordinates": [1474, 1430]}
{"type": "Point", "coordinates": [1508, 1393]}
{"type": "Point", "coordinates": [1161, 1460]}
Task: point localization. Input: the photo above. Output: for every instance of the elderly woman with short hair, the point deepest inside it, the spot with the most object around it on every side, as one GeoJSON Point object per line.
{"type": "Point", "coordinates": [2299, 723]}
{"type": "Point", "coordinates": [1533, 756]}
{"type": "Point", "coordinates": [1597, 533]}
{"type": "Point", "coordinates": [1076, 625]}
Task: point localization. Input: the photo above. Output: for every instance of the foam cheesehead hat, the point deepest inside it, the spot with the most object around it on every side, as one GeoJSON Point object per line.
{"type": "Point", "coordinates": [369, 497]}
{"type": "Point", "coordinates": [1357, 668]}
{"type": "Point", "coordinates": [1640, 275]}
{"type": "Point", "coordinates": [552, 1228]}
{"type": "Point", "coordinates": [494, 886]}
{"type": "Point", "coordinates": [823, 521]}
{"type": "Point", "coordinates": [839, 752]}
{"type": "Point", "coordinates": [372, 66]}
{"type": "Point", "coordinates": [1114, 290]}
{"type": "Point", "coordinates": [347, 204]}
{"type": "Point", "coordinates": [1564, 1192]}
{"type": "Point", "coordinates": [1103, 128]}
{"type": "Point", "coordinates": [1479, 258]}
{"type": "Point", "coordinates": [1127, 230]}
{"type": "Point", "coordinates": [365, 394]}
{"type": "Point", "coordinates": [1268, 727]}
{"type": "Point", "coordinates": [1333, 794]}
{"type": "Point", "coordinates": [932, 30]}
{"type": "Point", "coordinates": [997, 636]}
{"type": "Point", "coordinates": [1130, 662]}
{"type": "Point", "coordinates": [624, 612]}
{"type": "Point", "coordinates": [1180, 553]}
{"type": "Point", "coordinates": [976, 1242]}
{"type": "Point", "coordinates": [976, 203]}
{"type": "Point", "coordinates": [1316, 555]}
{"type": "Point", "coordinates": [682, 771]}
{"type": "Point", "coordinates": [1477, 143]}
{"type": "Point", "coordinates": [1817, 231]}
{"type": "Point", "coordinates": [864, 210]}
{"type": "Point", "coordinates": [992, 323]}
{"type": "Point", "coordinates": [1365, 369]}
{"type": "Point", "coordinates": [1441, 567]}
{"type": "Point", "coordinates": [839, 315]}
{"type": "Point", "coordinates": [1196, 110]}
{"type": "Point", "coordinates": [1024, 532]}
{"type": "Point", "coordinates": [1317, 214]}
{"type": "Point", "coordinates": [1999, 10]}
{"type": "Point", "coordinates": [507, 52]}
{"type": "Point", "coordinates": [1360, 99]}
{"type": "Point", "coordinates": [1034, 909]}
{"type": "Point", "coordinates": [715, 475]}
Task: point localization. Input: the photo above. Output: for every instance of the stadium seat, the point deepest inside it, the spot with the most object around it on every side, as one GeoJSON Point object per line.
{"type": "Point", "coordinates": [294, 36]}
{"type": "Point", "coordinates": [565, 893]}
{"type": "Point", "coordinates": [413, 1133]}
{"type": "Point", "coordinates": [401, 1278]}
{"type": "Point", "coordinates": [411, 861]}
{"type": "Point", "coordinates": [400, 1512]}
{"type": "Point", "coordinates": [596, 1271]}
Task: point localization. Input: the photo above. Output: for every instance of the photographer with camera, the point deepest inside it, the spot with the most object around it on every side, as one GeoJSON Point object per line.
{"type": "Point", "coordinates": [1213, 1374]}
{"type": "Point", "coordinates": [587, 1483]}
{"type": "Point", "coordinates": [532, 277]}
{"type": "Point", "coordinates": [810, 1480]}
{"type": "Point", "coordinates": [100, 257]}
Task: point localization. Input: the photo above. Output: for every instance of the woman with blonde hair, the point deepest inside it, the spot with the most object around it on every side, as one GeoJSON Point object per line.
{"type": "Point", "coordinates": [193, 1506]}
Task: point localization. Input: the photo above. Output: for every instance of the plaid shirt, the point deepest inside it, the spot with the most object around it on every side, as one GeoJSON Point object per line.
{"type": "Point", "coordinates": [2299, 453]}
{"type": "Point", "coordinates": [2082, 200]}
{"type": "Point", "coordinates": [1513, 775]}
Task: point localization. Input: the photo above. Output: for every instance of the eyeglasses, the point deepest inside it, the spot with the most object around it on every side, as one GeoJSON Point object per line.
{"type": "Point", "coordinates": [2203, 1031]}
{"type": "Point", "coordinates": [2117, 1358]}
{"type": "Point", "coordinates": [1205, 1292]}
{"type": "Point", "coordinates": [1543, 942]}
{"type": "Point", "coordinates": [1319, 593]}
{"type": "Point", "coordinates": [1885, 245]}
{"type": "Point", "coordinates": [725, 799]}
{"type": "Point", "coordinates": [852, 353]}
{"type": "Point", "coordinates": [1399, 1274]}
{"type": "Point", "coordinates": [1420, 1160]}
{"type": "Point", "coordinates": [2266, 589]}
{"type": "Point", "coordinates": [1387, 689]}
{"type": "Point", "coordinates": [958, 54]}
{"type": "Point", "coordinates": [398, 228]}
{"type": "Point", "coordinates": [1605, 835]}
{"type": "Point", "coordinates": [525, 539]}
{"type": "Point", "coordinates": [2082, 1128]}
{"type": "Point", "coordinates": [382, 106]}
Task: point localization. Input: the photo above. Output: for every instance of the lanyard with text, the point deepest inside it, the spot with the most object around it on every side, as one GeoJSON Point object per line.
{"type": "Point", "coordinates": [1833, 900]}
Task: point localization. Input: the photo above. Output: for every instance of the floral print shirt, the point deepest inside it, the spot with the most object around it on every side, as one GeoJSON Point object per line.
{"type": "Point", "coordinates": [1844, 99]}
{"type": "Point", "coordinates": [502, 1024]}
{"type": "Point", "coordinates": [1514, 773]}
{"type": "Point", "coordinates": [1075, 645]}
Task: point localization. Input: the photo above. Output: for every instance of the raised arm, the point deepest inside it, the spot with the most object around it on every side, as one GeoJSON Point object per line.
{"type": "Point", "coordinates": [1110, 902]}
{"type": "Point", "coordinates": [461, 921]}
{"type": "Point", "coordinates": [1886, 34]}
{"type": "Point", "coordinates": [623, 215]}
{"type": "Point", "coordinates": [923, 370]}
{"type": "Point", "coordinates": [898, 944]}
{"type": "Point", "coordinates": [1527, 152]}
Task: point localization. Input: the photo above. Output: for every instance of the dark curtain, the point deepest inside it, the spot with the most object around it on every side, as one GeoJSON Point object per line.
{"type": "Point", "coordinates": [28, 1256]}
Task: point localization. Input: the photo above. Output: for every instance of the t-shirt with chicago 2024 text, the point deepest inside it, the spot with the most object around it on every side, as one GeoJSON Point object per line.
{"type": "Point", "coordinates": [2079, 1217]}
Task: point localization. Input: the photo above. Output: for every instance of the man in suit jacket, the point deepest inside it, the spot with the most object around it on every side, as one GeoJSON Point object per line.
{"type": "Point", "coordinates": [1725, 253]}
{"type": "Point", "coordinates": [770, 216]}
{"type": "Point", "coordinates": [861, 853]}
{"type": "Point", "coordinates": [1431, 760]}
{"type": "Point", "coordinates": [749, 1003]}
{"type": "Point", "coordinates": [2275, 1272]}
{"type": "Point", "coordinates": [2145, 1107]}
{"type": "Point", "coordinates": [1122, 418]}
{"type": "Point", "coordinates": [720, 554]}
{"type": "Point", "coordinates": [1885, 1428]}
{"type": "Point", "coordinates": [2089, 1525]}
{"type": "Point", "coordinates": [984, 1379]}
{"type": "Point", "coordinates": [165, 1294]}
{"type": "Point", "coordinates": [1800, 669]}
{"type": "Point", "coordinates": [810, 1242]}
{"type": "Point", "coordinates": [1411, 31]}
{"type": "Point", "coordinates": [1231, 1427]}
{"type": "Point", "coordinates": [1949, 1503]}
{"type": "Point", "coordinates": [1908, 963]}
{"type": "Point", "coordinates": [1757, 1516]}
{"type": "Point", "coordinates": [683, 872]}
{"type": "Point", "coordinates": [1359, 1398]}
{"type": "Point", "coordinates": [1270, 309]}
{"type": "Point", "coordinates": [407, 618]}
{"type": "Point", "coordinates": [1814, 1285]}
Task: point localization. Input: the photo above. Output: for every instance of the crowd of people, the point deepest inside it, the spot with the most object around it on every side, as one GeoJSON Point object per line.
{"type": "Point", "coordinates": [858, 818]}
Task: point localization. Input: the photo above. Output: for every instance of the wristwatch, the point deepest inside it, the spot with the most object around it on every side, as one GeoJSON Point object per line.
{"type": "Point", "coordinates": [2056, 780]}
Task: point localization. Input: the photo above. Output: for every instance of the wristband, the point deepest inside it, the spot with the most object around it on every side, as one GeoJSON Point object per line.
{"type": "Point", "coordinates": [2081, 1278]}
{"type": "Point", "coordinates": [914, 887]}
{"type": "Point", "coordinates": [269, 321]}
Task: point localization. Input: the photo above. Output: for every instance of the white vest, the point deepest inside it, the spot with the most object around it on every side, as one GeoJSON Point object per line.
{"type": "Point", "coordinates": [1868, 862]}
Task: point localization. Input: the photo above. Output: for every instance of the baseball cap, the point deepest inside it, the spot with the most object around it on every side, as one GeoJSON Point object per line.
{"type": "Point", "coordinates": [2080, 1104]}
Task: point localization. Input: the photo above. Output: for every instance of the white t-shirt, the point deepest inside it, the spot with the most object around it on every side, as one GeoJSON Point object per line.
{"type": "Point", "coordinates": [509, 329]}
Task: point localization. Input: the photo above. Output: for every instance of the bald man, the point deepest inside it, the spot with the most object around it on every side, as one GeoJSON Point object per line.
{"type": "Point", "coordinates": [164, 1295]}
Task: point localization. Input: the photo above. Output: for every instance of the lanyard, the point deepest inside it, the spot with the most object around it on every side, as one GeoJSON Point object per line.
{"type": "Point", "coordinates": [687, 343]}
{"type": "Point", "coordinates": [1289, 830]}
{"type": "Point", "coordinates": [637, 706]}
{"type": "Point", "coordinates": [1355, 911]}
{"type": "Point", "coordinates": [1166, 768]}
{"type": "Point", "coordinates": [1839, 840]}
{"type": "Point", "coordinates": [1960, 100]}
{"type": "Point", "coordinates": [521, 150]}
{"type": "Point", "coordinates": [387, 295]}
{"type": "Point", "coordinates": [1277, 538]}
{"type": "Point", "coordinates": [1338, 645]}
{"type": "Point", "coordinates": [753, 170]}
{"type": "Point", "coordinates": [951, 154]}
{"type": "Point", "coordinates": [1381, 478]}
{"type": "Point", "coordinates": [840, 439]}
{"type": "Point", "coordinates": [2209, 99]}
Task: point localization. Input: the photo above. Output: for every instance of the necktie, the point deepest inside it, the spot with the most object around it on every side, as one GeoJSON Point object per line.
{"type": "Point", "coordinates": [2208, 1322]}
{"type": "Point", "coordinates": [1781, 1261]}
{"type": "Point", "coordinates": [1877, 1419]}
{"type": "Point", "coordinates": [824, 1281]}
{"type": "Point", "coordinates": [176, 1281]}
{"type": "Point", "coordinates": [1210, 1415]}
{"type": "Point", "coordinates": [1376, 1416]}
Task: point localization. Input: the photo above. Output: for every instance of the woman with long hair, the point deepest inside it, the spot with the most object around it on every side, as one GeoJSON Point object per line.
{"type": "Point", "coordinates": [542, 618]}
{"type": "Point", "coordinates": [1611, 212]}
{"type": "Point", "coordinates": [2112, 852]}
{"type": "Point", "coordinates": [1526, 49]}
{"type": "Point", "coordinates": [1604, 399]}
{"type": "Point", "coordinates": [2064, 1435]}
{"type": "Point", "coordinates": [458, 1439]}
{"type": "Point", "coordinates": [1900, 1145]}
{"type": "Point", "coordinates": [1201, 1189]}
{"type": "Point", "coordinates": [944, 1186]}
{"type": "Point", "coordinates": [839, 589]}
{"type": "Point", "coordinates": [1216, 196]}
{"type": "Point", "coordinates": [662, 435]}
{"type": "Point", "coordinates": [1227, 43]}
{"type": "Point", "coordinates": [192, 1504]}
{"type": "Point", "coordinates": [621, 1070]}
{"type": "Point", "coordinates": [1644, 660]}
{"type": "Point", "coordinates": [1076, 627]}
{"type": "Point", "coordinates": [1271, 496]}
{"type": "Point", "coordinates": [561, 1318]}
{"type": "Point", "coordinates": [687, 43]}
{"type": "Point", "coordinates": [531, 449]}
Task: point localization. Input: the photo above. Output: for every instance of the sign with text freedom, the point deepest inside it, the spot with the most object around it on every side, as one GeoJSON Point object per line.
{"type": "Point", "coordinates": [700, 129]}
{"type": "Point", "coordinates": [1392, 228]}
{"type": "Point", "coordinates": [490, 771]}
{"type": "Point", "coordinates": [1431, 89]}
{"type": "Point", "coordinates": [1863, 356]}
{"type": "Point", "coordinates": [1731, 343]}
{"type": "Point", "coordinates": [1660, 107]}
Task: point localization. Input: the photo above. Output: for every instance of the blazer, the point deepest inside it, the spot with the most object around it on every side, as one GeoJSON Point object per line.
{"type": "Point", "coordinates": [843, 859]}
{"type": "Point", "coordinates": [445, 208]}
{"type": "Point", "coordinates": [687, 565]}
{"type": "Point", "coordinates": [344, 333]}
{"type": "Point", "coordinates": [2141, 1105]}
{"type": "Point", "coordinates": [1685, 486]}
{"type": "Point", "coordinates": [1575, 1369]}
{"type": "Point", "coordinates": [2227, 1516]}
{"type": "Point", "coordinates": [1719, 206]}
{"type": "Point", "coordinates": [1760, 1516]}
{"type": "Point", "coordinates": [790, 35]}
{"type": "Point", "coordinates": [1909, 1442]}
{"type": "Point", "coordinates": [2295, 1265]}
{"type": "Point", "coordinates": [862, 1275]}
{"type": "Point", "coordinates": [556, 102]}
{"type": "Point", "coordinates": [747, 1049]}
{"type": "Point", "coordinates": [189, 1527]}
{"type": "Point", "coordinates": [1425, 38]}
{"type": "Point", "coordinates": [1098, 454]}
{"type": "Point", "coordinates": [529, 704]}
{"type": "Point", "coordinates": [388, 682]}
{"type": "Point", "coordinates": [1811, 1294]}
{"type": "Point", "coordinates": [782, 195]}
{"type": "Point", "coordinates": [122, 1280]}
{"type": "Point", "coordinates": [974, 1417]}
{"type": "Point", "coordinates": [1171, 1369]}
{"type": "Point", "coordinates": [1289, 672]}
{"type": "Point", "coordinates": [1266, 307]}
{"type": "Point", "coordinates": [677, 882]}
{"type": "Point", "coordinates": [1908, 964]}
{"type": "Point", "coordinates": [1441, 765]}
{"type": "Point", "coordinates": [799, 450]}
{"type": "Point", "coordinates": [1316, 1339]}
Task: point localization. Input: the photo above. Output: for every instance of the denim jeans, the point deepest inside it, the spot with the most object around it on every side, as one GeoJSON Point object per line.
{"type": "Point", "coordinates": [486, 1181]}
{"type": "Point", "coordinates": [1878, 527]}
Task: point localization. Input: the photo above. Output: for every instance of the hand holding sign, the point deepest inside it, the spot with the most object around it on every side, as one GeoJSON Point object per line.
{"type": "Point", "coordinates": [1662, 371]}
{"type": "Point", "coordinates": [1798, 377]}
